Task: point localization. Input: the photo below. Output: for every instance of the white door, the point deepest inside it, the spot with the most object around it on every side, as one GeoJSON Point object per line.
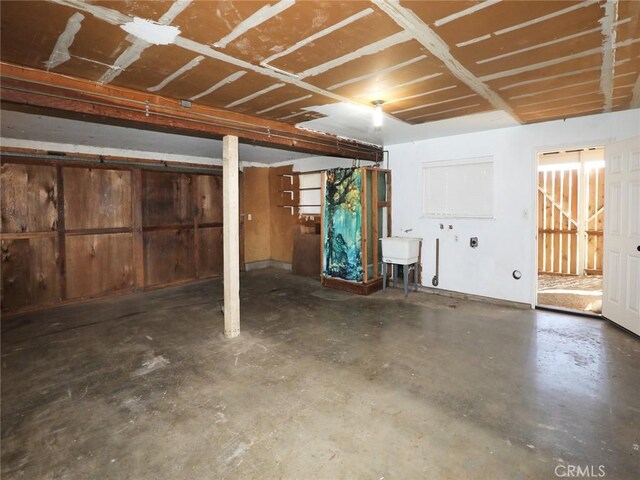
{"type": "Point", "coordinates": [621, 259]}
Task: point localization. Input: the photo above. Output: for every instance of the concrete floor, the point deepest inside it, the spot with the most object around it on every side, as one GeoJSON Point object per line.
{"type": "Point", "coordinates": [320, 384]}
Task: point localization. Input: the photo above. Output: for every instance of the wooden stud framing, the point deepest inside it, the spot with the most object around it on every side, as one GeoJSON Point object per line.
{"type": "Point", "coordinates": [374, 219]}
{"type": "Point", "coordinates": [323, 193]}
{"type": "Point", "coordinates": [363, 207]}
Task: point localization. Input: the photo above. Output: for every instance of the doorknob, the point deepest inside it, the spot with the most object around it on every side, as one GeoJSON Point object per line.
{"type": "Point", "coordinates": [638, 248]}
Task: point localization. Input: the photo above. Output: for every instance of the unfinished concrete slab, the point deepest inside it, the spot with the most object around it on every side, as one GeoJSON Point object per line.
{"type": "Point", "coordinates": [147, 386]}
{"type": "Point", "coordinates": [573, 292]}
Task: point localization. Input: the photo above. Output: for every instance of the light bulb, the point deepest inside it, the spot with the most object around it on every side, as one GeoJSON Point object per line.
{"type": "Point", "coordinates": [377, 114]}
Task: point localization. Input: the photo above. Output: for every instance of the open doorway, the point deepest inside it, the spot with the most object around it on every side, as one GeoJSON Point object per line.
{"type": "Point", "coordinates": [570, 229]}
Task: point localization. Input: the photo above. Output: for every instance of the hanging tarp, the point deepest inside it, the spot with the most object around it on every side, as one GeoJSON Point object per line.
{"type": "Point", "coordinates": [343, 224]}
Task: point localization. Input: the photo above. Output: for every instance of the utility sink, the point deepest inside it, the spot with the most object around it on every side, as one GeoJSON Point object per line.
{"type": "Point", "coordinates": [400, 250]}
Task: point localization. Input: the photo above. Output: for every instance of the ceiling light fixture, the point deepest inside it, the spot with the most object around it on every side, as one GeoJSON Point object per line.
{"type": "Point", "coordinates": [377, 113]}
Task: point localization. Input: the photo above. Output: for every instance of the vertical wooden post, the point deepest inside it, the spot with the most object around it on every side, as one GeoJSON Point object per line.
{"type": "Point", "coordinates": [323, 193]}
{"type": "Point", "coordinates": [374, 219]}
{"type": "Point", "coordinates": [231, 232]}
{"type": "Point", "coordinates": [363, 204]}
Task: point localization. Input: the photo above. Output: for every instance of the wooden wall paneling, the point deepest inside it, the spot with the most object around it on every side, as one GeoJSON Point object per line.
{"type": "Point", "coordinates": [29, 273]}
{"type": "Point", "coordinates": [306, 255]}
{"type": "Point", "coordinates": [29, 196]}
{"type": "Point", "coordinates": [210, 251]}
{"type": "Point", "coordinates": [197, 213]}
{"type": "Point", "coordinates": [166, 198]}
{"type": "Point", "coordinates": [61, 249]}
{"type": "Point", "coordinates": [168, 230]}
{"type": "Point", "coordinates": [209, 203]}
{"type": "Point", "coordinates": [257, 242]}
{"type": "Point", "coordinates": [169, 256]}
{"type": "Point", "coordinates": [209, 234]}
{"type": "Point", "coordinates": [97, 198]}
{"type": "Point", "coordinates": [137, 240]}
{"type": "Point", "coordinates": [99, 264]}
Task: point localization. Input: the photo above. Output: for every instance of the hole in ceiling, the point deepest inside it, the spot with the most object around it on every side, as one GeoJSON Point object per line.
{"type": "Point", "coordinates": [151, 32]}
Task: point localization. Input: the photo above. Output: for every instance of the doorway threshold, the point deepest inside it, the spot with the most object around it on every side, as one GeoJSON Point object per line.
{"type": "Point", "coordinates": [581, 313]}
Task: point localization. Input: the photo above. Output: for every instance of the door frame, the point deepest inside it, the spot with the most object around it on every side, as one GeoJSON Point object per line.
{"type": "Point", "coordinates": [537, 151]}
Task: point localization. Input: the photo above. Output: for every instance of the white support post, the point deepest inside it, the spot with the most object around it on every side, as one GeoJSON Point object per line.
{"type": "Point", "coordinates": [231, 236]}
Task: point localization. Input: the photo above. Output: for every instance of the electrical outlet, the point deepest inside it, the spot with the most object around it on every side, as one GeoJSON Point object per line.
{"type": "Point", "coordinates": [473, 243]}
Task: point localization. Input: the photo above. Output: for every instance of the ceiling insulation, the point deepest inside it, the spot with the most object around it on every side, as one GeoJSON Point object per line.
{"type": "Point", "coordinates": [428, 61]}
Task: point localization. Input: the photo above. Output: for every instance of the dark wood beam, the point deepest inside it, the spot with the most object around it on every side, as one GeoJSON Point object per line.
{"type": "Point", "coordinates": [37, 88]}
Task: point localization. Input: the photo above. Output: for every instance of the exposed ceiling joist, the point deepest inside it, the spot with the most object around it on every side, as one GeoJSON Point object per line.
{"type": "Point", "coordinates": [431, 41]}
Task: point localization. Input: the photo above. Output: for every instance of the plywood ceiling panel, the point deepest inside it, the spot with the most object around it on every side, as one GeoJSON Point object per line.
{"type": "Point", "coordinates": [154, 65]}
{"type": "Point", "coordinates": [247, 85]}
{"type": "Point", "coordinates": [564, 49]}
{"type": "Point", "coordinates": [432, 11]}
{"type": "Point", "coordinates": [196, 82]}
{"type": "Point", "coordinates": [496, 17]}
{"type": "Point", "coordinates": [30, 31]}
{"type": "Point", "coordinates": [295, 24]}
{"type": "Point", "coordinates": [151, 10]}
{"type": "Point", "coordinates": [349, 72]}
{"type": "Point", "coordinates": [535, 60]}
{"type": "Point", "coordinates": [221, 18]}
{"type": "Point", "coordinates": [373, 28]}
{"type": "Point", "coordinates": [559, 71]}
{"type": "Point", "coordinates": [583, 20]}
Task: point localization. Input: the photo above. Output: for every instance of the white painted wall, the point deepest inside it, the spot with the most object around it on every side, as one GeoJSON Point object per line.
{"type": "Point", "coordinates": [507, 242]}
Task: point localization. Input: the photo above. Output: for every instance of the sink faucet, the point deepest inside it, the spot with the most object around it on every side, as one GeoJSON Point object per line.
{"type": "Point", "coordinates": [408, 230]}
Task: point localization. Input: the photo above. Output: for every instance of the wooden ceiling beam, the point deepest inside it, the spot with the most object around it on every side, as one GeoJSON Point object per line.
{"type": "Point", "coordinates": [37, 88]}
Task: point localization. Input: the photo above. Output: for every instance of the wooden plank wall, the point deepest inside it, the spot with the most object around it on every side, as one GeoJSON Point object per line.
{"type": "Point", "coordinates": [257, 230]}
{"type": "Point", "coordinates": [30, 273]}
{"type": "Point", "coordinates": [558, 221]}
{"type": "Point", "coordinates": [595, 219]}
{"type": "Point", "coordinates": [74, 232]}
